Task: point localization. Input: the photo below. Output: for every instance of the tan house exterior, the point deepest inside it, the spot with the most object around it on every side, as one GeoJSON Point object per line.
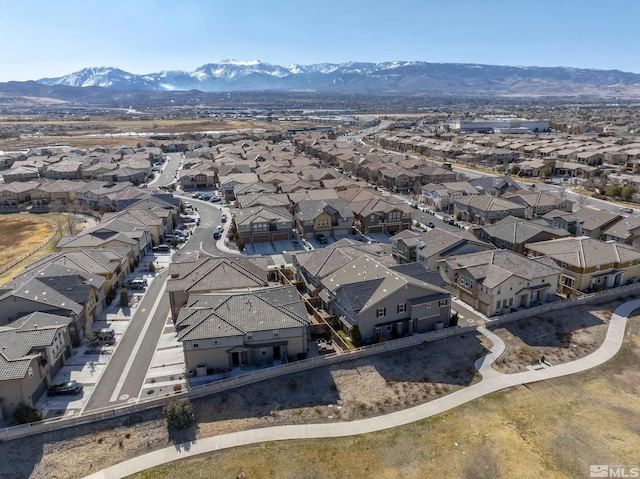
{"type": "Point", "coordinates": [263, 223]}
{"type": "Point", "coordinates": [501, 281]}
{"type": "Point", "coordinates": [223, 331]}
{"type": "Point", "coordinates": [589, 264]}
{"type": "Point", "coordinates": [32, 350]}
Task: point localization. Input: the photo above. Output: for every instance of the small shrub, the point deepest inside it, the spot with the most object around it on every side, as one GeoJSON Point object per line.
{"type": "Point", "coordinates": [152, 267]}
{"type": "Point", "coordinates": [24, 414]}
{"type": "Point", "coordinates": [124, 298]}
{"type": "Point", "coordinates": [179, 414]}
{"type": "Point", "coordinates": [177, 387]}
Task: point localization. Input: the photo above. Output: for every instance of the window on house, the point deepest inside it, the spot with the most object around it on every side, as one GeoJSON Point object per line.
{"type": "Point", "coordinates": [443, 302]}
{"type": "Point", "coordinates": [610, 265]}
{"type": "Point", "coordinates": [598, 268]}
{"type": "Point", "coordinates": [276, 334]}
{"type": "Point", "coordinates": [381, 312]}
{"type": "Point", "coordinates": [387, 327]}
{"type": "Point", "coordinates": [196, 345]}
{"type": "Point", "coordinates": [428, 305]}
{"type": "Point", "coordinates": [498, 304]}
{"type": "Point", "coordinates": [402, 308]}
{"type": "Point", "coordinates": [510, 301]}
{"type": "Point", "coordinates": [249, 336]}
{"type": "Point", "coordinates": [263, 352]}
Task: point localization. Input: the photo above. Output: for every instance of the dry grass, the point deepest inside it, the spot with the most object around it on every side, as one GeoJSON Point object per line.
{"type": "Point", "coordinates": [20, 233]}
{"type": "Point", "coordinates": [554, 429]}
{"type": "Point", "coordinates": [560, 336]}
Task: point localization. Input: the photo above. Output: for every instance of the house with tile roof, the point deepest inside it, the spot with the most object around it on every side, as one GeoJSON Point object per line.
{"type": "Point", "coordinates": [206, 275]}
{"type": "Point", "coordinates": [500, 281]}
{"type": "Point", "coordinates": [312, 266]}
{"type": "Point", "coordinates": [538, 203]}
{"type": "Point", "coordinates": [431, 246]}
{"type": "Point", "coordinates": [382, 302]}
{"type": "Point", "coordinates": [55, 290]}
{"type": "Point", "coordinates": [586, 221]}
{"type": "Point", "coordinates": [485, 209]}
{"type": "Point", "coordinates": [331, 217]}
{"type": "Point", "coordinates": [222, 331]}
{"type": "Point", "coordinates": [263, 224]}
{"type": "Point", "coordinates": [589, 264]}
{"type": "Point", "coordinates": [626, 231]}
{"type": "Point", "coordinates": [32, 350]}
{"type": "Point", "coordinates": [513, 233]}
{"type": "Point", "coordinates": [379, 215]}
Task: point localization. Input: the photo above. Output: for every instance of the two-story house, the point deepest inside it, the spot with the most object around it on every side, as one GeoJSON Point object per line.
{"type": "Point", "coordinates": [33, 348]}
{"type": "Point", "coordinates": [263, 223]}
{"type": "Point", "coordinates": [485, 209]}
{"type": "Point", "coordinates": [330, 217]}
{"type": "Point", "coordinates": [222, 331]}
{"type": "Point", "coordinates": [589, 264]}
{"type": "Point", "coordinates": [500, 281]}
{"type": "Point", "coordinates": [383, 303]}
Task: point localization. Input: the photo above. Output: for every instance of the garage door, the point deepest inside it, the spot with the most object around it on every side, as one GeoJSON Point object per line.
{"type": "Point", "coordinates": [280, 236]}
{"type": "Point", "coordinates": [393, 229]}
{"type": "Point", "coordinates": [260, 238]}
{"type": "Point", "coordinates": [374, 229]}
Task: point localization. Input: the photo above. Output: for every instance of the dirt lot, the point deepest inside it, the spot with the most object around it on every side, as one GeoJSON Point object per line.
{"type": "Point", "coordinates": [553, 430]}
{"type": "Point", "coordinates": [559, 336]}
{"type": "Point", "coordinates": [518, 431]}
{"type": "Point", "coordinates": [20, 233]}
{"type": "Point", "coordinates": [352, 390]}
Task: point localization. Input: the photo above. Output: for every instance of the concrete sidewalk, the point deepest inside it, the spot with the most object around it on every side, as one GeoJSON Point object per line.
{"type": "Point", "coordinates": [492, 381]}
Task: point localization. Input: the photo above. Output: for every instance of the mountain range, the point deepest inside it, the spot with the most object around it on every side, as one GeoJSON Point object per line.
{"type": "Point", "coordinates": [408, 77]}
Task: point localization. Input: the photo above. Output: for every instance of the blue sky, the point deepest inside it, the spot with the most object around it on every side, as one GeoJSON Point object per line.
{"type": "Point", "coordinates": [55, 37]}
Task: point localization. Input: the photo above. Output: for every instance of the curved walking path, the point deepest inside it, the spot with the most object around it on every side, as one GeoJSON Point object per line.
{"type": "Point", "coordinates": [492, 381]}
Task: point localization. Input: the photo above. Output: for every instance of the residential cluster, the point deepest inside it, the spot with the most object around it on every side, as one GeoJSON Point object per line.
{"type": "Point", "coordinates": [503, 245]}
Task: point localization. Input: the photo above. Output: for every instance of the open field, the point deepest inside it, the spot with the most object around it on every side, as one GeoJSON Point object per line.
{"type": "Point", "coordinates": [553, 429]}
{"type": "Point", "coordinates": [559, 338]}
{"type": "Point", "coordinates": [85, 134]}
{"type": "Point", "coordinates": [20, 233]}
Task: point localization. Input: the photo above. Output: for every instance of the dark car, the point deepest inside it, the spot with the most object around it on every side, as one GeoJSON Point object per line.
{"type": "Point", "coordinates": [223, 218]}
{"type": "Point", "coordinates": [322, 239]}
{"type": "Point", "coordinates": [162, 248]}
{"type": "Point", "coordinates": [430, 224]}
{"type": "Point", "coordinates": [71, 387]}
{"type": "Point", "coordinates": [217, 232]}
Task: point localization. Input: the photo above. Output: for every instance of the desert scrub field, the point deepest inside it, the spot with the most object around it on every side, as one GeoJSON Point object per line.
{"type": "Point", "coordinates": [21, 232]}
{"type": "Point", "coordinates": [554, 429]}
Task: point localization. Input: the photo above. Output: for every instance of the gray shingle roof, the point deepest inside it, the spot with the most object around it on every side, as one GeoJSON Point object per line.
{"type": "Point", "coordinates": [585, 252]}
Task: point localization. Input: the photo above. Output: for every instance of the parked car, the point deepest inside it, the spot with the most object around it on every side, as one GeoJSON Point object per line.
{"type": "Point", "coordinates": [215, 199]}
{"type": "Point", "coordinates": [322, 239]}
{"type": "Point", "coordinates": [162, 248]}
{"type": "Point", "coordinates": [71, 387]}
{"type": "Point", "coordinates": [430, 224]}
{"type": "Point", "coordinates": [137, 283]}
{"type": "Point", "coordinates": [217, 233]}
{"type": "Point", "coordinates": [223, 218]}
{"type": "Point", "coordinates": [449, 220]}
{"type": "Point", "coordinates": [205, 197]}
{"type": "Point", "coordinates": [626, 210]}
{"type": "Point", "coordinates": [197, 194]}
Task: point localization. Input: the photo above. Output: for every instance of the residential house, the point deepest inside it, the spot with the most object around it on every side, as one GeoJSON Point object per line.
{"type": "Point", "coordinates": [32, 350]}
{"type": "Point", "coordinates": [495, 185]}
{"type": "Point", "coordinates": [207, 275]}
{"type": "Point", "coordinates": [538, 203]}
{"type": "Point", "coordinates": [500, 281]}
{"type": "Point", "coordinates": [383, 303]}
{"type": "Point", "coordinates": [249, 200]}
{"type": "Point", "coordinates": [589, 264]}
{"type": "Point", "coordinates": [331, 217]}
{"type": "Point", "coordinates": [399, 180]}
{"type": "Point", "coordinates": [55, 290]}
{"type": "Point", "coordinates": [513, 233]}
{"type": "Point", "coordinates": [222, 331]}
{"type": "Point", "coordinates": [626, 231]}
{"type": "Point", "coordinates": [263, 223]}
{"type": "Point", "coordinates": [443, 195]}
{"type": "Point", "coordinates": [485, 209]}
{"type": "Point", "coordinates": [430, 247]}
{"type": "Point", "coordinates": [12, 194]}
{"type": "Point", "coordinates": [313, 266]}
{"type": "Point", "coordinates": [584, 222]}
{"type": "Point", "coordinates": [379, 215]}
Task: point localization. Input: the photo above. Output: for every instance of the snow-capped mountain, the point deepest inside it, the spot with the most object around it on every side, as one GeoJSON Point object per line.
{"type": "Point", "coordinates": [385, 77]}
